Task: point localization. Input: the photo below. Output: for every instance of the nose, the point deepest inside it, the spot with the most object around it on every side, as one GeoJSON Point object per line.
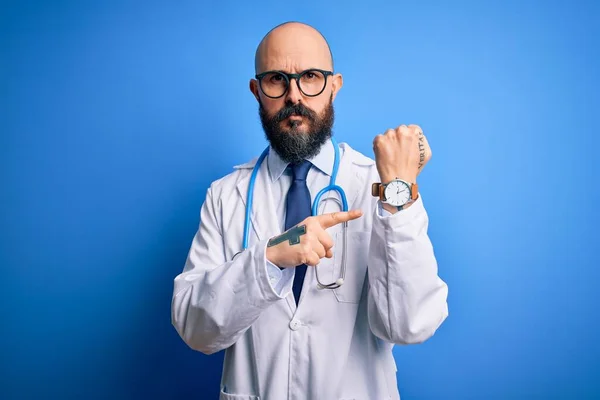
{"type": "Point", "coordinates": [293, 95]}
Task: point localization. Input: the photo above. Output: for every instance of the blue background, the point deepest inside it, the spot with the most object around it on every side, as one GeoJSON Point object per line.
{"type": "Point", "coordinates": [116, 116]}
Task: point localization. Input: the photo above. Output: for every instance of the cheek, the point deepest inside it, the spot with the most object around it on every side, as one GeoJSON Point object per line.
{"type": "Point", "coordinates": [318, 106]}
{"type": "Point", "coordinates": [271, 106]}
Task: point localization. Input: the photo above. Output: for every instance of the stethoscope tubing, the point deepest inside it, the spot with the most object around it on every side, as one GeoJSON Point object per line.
{"type": "Point", "coordinates": [314, 211]}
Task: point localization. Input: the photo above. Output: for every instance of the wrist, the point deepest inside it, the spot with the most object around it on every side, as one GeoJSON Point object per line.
{"type": "Point", "coordinates": [390, 208]}
{"type": "Point", "coordinates": [405, 177]}
{"type": "Point", "coordinates": [270, 255]}
{"type": "Point", "coordinates": [395, 194]}
{"type": "Point", "coordinates": [393, 209]}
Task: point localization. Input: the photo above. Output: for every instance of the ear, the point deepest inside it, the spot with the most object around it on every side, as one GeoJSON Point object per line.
{"type": "Point", "coordinates": [254, 88]}
{"type": "Point", "coordinates": [337, 81]}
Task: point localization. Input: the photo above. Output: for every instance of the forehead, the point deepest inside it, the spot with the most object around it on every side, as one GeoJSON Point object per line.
{"type": "Point", "coordinates": [294, 51]}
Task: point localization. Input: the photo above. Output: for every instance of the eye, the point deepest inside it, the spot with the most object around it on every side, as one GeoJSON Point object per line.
{"type": "Point", "coordinates": [310, 75]}
{"type": "Point", "coordinates": [276, 78]}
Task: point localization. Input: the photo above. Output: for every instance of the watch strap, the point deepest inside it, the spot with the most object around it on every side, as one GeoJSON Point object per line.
{"type": "Point", "coordinates": [377, 190]}
{"type": "Point", "coordinates": [414, 191]}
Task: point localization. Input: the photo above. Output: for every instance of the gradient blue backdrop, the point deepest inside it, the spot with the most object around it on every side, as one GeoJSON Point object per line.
{"type": "Point", "coordinates": [116, 116]}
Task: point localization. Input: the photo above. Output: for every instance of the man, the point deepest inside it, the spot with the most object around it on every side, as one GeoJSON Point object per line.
{"type": "Point", "coordinates": [285, 336]}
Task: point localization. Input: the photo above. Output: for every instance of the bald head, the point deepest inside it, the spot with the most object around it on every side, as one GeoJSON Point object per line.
{"type": "Point", "coordinates": [293, 46]}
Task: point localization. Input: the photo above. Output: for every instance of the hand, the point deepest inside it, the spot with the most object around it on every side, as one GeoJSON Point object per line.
{"type": "Point", "coordinates": [401, 153]}
{"type": "Point", "coordinates": [307, 242]}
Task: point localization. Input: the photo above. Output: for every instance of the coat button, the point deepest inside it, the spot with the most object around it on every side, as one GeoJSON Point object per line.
{"type": "Point", "coordinates": [295, 325]}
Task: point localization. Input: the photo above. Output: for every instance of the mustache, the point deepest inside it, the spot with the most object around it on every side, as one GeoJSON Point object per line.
{"type": "Point", "coordinates": [295, 109]}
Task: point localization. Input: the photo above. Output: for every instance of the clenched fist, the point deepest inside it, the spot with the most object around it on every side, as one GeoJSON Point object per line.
{"type": "Point", "coordinates": [307, 242]}
{"type": "Point", "coordinates": [401, 153]}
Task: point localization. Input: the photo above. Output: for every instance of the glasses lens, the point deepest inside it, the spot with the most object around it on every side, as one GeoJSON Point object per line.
{"type": "Point", "coordinates": [312, 82]}
{"type": "Point", "coordinates": [273, 84]}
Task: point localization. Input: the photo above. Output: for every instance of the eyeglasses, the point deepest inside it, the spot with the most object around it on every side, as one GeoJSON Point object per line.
{"type": "Point", "coordinates": [311, 82]}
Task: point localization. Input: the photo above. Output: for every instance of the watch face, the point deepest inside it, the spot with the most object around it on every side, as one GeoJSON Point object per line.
{"type": "Point", "coordinates": [397, 193]}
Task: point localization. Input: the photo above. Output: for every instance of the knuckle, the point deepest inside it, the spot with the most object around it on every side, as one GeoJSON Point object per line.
{"type": "Point", "coordinates": [379, 141]}
{"type": "Point", "coordinates": [306, 248]}
{"type": "Point", "coordinates": [333, 217]}
{"type": "Point", "coordinates": [322, 251]}
{"type": "Point", "coordinates": [327, 241]}
{"type": "Point", "coordinates": [415, 128]}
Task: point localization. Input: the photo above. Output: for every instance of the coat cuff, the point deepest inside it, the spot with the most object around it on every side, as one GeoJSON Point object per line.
{"type": "Point", "coordinates": [400, 218]}
{"type": "Point", "coordinates": [280, 280]}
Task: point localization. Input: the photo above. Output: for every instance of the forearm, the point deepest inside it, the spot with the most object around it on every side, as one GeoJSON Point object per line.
{"type": "Point", "coordinates": [214, 305]}
{"type": "Point", "coordinates": [407, 299]}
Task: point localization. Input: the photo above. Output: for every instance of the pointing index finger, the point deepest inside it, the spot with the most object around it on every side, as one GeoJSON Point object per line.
{"type": "Point", "coordinates": [331, 219]}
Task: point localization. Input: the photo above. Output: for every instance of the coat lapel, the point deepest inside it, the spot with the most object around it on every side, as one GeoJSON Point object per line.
{"type": "Point", "coordinates": [262, 219]}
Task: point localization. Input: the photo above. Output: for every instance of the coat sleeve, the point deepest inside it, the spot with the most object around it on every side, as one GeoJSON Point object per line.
{"type": "Point", "coordinates": [215, 301]}
{"type": "Point", "coordinates": [407, 300]}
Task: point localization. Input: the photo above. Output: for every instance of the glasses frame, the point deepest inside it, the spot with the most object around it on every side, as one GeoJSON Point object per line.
{"type": "Point", "coordinates": [289, 77]}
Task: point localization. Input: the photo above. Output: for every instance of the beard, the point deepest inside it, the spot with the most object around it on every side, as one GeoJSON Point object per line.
{"type": "Point", "coordinates": [292, 144]}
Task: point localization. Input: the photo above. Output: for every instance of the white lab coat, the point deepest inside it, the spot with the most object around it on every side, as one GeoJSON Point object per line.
{"type": "Point", "coordinates": [338, 343]}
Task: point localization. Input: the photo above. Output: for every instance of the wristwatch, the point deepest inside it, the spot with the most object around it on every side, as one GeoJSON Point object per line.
{"type": "Point", "coordinates": [397, 193]}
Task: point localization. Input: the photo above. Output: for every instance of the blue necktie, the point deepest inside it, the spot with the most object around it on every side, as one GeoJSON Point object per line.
{"type": "Point", "coordinates": [298, 207]}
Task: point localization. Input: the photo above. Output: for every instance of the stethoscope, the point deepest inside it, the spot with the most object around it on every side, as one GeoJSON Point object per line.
{"type": "Point", "coordinates": [315, 206]}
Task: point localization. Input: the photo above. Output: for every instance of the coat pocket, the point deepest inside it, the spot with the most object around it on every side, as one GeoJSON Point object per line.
{"type": "Point", "coordinates": [356, 260]}
{"type": "Point", "coordinates": [231, 396]}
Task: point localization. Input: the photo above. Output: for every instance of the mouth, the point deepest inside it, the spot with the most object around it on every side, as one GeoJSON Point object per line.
{"type": "Point", "coordinates": [293, 122]}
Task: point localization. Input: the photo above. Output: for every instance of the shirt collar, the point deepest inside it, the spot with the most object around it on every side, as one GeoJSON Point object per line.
{"type": "Point", "coordinates": [323, 161]}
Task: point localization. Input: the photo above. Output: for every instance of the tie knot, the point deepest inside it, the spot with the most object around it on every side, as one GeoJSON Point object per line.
{"type": "Point", "coordinates": [300, 170]}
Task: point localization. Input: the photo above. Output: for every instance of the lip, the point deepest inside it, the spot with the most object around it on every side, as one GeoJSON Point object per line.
{"type": "Point", "coordinates": [296, 117]}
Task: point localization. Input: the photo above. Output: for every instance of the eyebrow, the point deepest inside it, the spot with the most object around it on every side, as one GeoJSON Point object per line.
{"type": "Point", "coordinates": [286, 72]}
